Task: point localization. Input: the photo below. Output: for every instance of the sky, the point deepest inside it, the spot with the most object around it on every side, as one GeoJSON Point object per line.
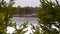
{"type": "Point", "coordinates": [30, 3]}
{"type": "Point", "coordinates": [24, 3]}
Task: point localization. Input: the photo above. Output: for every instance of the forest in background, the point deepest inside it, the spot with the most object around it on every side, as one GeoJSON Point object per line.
{"type": "Point", "coordinates": [26, 12]}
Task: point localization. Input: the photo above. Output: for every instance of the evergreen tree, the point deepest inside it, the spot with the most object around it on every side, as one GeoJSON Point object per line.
{"type": "Point", "coordinates": [49, 15]}
{"type": "Point", "coordinates": [6, 13]}
{"type": "Point", "coordinates": [36, 29]}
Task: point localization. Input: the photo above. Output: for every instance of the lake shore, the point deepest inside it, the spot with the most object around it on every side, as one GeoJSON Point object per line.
{"type": "Point", "coordinates": [32, 16]}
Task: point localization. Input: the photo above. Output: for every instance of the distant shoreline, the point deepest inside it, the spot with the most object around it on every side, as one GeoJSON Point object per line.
{"type": "Point", "coordinates": [27, 16]}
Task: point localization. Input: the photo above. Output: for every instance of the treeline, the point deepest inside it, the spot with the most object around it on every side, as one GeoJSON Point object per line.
{"type": "Point", "coordinates": [26, 11]}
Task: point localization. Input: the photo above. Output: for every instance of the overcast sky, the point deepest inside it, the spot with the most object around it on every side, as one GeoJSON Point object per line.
{"type": "Point", "coordinates": [24, 3]}
{"type": "Point", "coordinates": [27, 3]}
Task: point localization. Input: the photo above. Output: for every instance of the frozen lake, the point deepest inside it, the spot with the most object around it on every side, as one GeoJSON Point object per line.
{"type": "Point", "coordinates": [20, 20]}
